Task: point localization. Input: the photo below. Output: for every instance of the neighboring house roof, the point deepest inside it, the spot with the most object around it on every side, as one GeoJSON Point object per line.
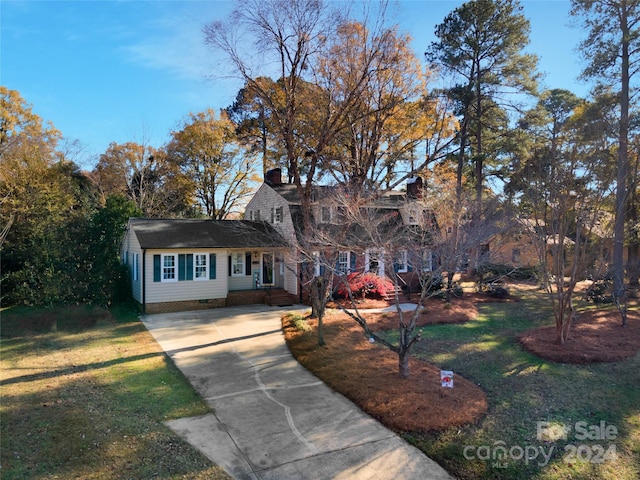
{"type": "Point", "coordinates": [195, 233]}
{"type": "Point", "coordinates": [554, 239]}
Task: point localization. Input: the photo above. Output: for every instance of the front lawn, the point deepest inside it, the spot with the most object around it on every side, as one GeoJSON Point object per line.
{"type": "Point", "coordinates": [84, 396]}
{"type": "Point", "coordinates": [545, 420]}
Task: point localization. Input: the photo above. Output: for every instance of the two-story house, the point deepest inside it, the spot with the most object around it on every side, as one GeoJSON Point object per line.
{"type": "Point", "coordinates": [279, 205]}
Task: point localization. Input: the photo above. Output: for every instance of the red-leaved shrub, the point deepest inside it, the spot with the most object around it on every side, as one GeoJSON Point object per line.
{"type": "Point", "coordinates": [364, 285]}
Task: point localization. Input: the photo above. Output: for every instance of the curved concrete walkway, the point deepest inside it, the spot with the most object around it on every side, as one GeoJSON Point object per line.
{"type": "Point", "coordinates": [272, 418]}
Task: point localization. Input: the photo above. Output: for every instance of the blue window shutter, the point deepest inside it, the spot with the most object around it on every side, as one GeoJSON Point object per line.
{"type": "Point", "coordinates": [189, 272]}
{"type": "Point", "coordinates": [229, 265]}
{"type": "Point", "coordinates": [352, 261]}
{"type": "Point", "coordinates": [156, 268]}
{"type": "Point", "coordinates": [212, 266]}
{"type": "Point", "coordinates": [181, 267]}
{"type": "Point", "coordinates": [247, 261]}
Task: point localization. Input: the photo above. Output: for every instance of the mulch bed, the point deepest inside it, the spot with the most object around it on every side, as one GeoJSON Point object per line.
{"type": "Point", "coordinates": [368, 375]}
{"type": "Point", "coordinates": [595, 336]}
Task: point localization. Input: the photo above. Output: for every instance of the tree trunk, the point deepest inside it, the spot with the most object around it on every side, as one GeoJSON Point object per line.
{"type": "Point", "coordinates": [318, 293]}
{"type": "Point", "coordinates": [633, 249]}
{"type": "Point", "coordinates": [403, 362]}
{"type": "Point", "coordinates": [564, 316]}
{"type": "Point", "coordinates": [623, 168]}
{"type": "Point", "coordinates": [321, 341]}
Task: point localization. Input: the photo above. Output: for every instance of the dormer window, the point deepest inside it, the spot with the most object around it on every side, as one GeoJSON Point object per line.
{"type": "Point", "coordinates": [276, 214]}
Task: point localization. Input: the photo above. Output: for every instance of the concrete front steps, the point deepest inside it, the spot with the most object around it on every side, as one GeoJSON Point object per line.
{"type": "Point", "coordinates": [278, 297]}
{"type": "Point", "coordinates": [267, 296]}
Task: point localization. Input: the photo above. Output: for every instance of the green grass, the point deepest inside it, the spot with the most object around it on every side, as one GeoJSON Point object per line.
{"type": "Point", "coordinates": [523, 389]}
{"type": "Point", "coordinates": [85, 395]}
{"type": "Point", "coordinates": [298, 321]}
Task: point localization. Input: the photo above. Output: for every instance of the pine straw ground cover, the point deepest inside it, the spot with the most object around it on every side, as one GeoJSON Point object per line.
{"type": "Point", "coordinates": [367, 373]}
{"type": "Point", "coordinates": [596, 335]}
{"type": "Point", "coordinates": [520, 388]}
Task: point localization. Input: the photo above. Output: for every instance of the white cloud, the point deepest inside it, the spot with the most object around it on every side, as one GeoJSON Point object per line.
{"type": "Point", "coordinates": [173, 40]}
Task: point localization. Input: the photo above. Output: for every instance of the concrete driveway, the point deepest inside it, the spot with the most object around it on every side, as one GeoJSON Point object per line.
{"type": "Point", "coordinates": [272, 418]}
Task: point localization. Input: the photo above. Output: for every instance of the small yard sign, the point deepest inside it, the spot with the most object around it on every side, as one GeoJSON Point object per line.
{"type": "Point", "coordinates": [446, 378]}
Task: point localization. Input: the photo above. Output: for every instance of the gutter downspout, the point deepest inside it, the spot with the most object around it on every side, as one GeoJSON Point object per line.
{"type": "Point", "coordinates": [144, 283]}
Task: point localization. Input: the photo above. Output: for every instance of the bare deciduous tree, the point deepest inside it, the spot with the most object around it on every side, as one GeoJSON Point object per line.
{"type": "Point", "coordinates": [563, 185]}
{"type": "Point", "coordinates": [316, 96]}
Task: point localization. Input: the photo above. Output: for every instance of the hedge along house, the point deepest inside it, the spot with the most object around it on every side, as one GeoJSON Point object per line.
{"type": "Point", "coordinates": [188, 264]}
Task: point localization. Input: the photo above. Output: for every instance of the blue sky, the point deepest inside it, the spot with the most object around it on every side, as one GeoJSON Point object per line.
{"type": "Point", "coordinates": [118, 71]}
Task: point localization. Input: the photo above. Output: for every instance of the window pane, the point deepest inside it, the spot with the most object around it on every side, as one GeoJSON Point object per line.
{"type": "Point", "coordinates": [237, 261]}
{"type": "Point", "coordinates": [343, 262]}
{"type": "Point", "coordinates": [426, 261]}
{"type": "Point", "coordinates": [401, 261]}
{"type": "Point", "coordinates": [169, 267]}
{"type": "Point", "coordinates": [201, 266]}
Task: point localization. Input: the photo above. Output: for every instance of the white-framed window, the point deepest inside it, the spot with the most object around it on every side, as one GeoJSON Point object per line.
{"type": "Point", "coordinates": [427, 261]}
{"type": "Point", "coordinates": [276, 214]}
{"type": "Point", "coordinates": [200, 267]}
{"type": "Point", "coordinates": [401, 263]}
{"type": "Point", "coordinates": [237, 264]}
{"type": "Point", "coordinates": [344, 262]}
{"type": "Point", "coordinates": [316, 263]}
{"type": "Point", "coordinates": [169, 268]}
{"type": "Point", "coordinates": [374, 262]}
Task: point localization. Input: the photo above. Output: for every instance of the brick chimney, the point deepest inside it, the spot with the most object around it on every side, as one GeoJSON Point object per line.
{"type": "Point", "coordinates": [273, 177]}
{"type": "Point", "coordinates": [414, 187]}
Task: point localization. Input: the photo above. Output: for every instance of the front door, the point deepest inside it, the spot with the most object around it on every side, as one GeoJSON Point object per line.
{"type": "Point", "coordinates": [267, 268]}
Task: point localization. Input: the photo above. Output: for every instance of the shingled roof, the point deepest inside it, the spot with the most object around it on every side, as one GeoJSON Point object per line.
{"type": "Point", "coordinates": [196, 233]}
{"type": "Point", "coordinates": [391, 199]}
